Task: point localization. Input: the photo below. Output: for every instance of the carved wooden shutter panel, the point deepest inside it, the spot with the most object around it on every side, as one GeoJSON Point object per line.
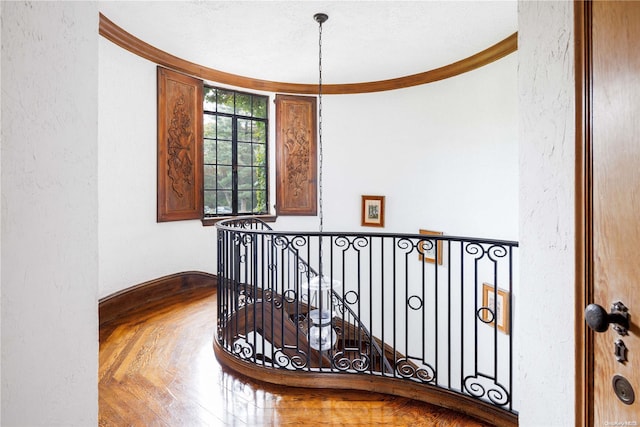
{"type": "Point", "coordinates": [296, 155]}
{"type": "Point", "coordinates": [179, 146]}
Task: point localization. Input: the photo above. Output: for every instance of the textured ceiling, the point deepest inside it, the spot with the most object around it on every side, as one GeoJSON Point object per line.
{"type": "Point", "coordinates": [278, 40]}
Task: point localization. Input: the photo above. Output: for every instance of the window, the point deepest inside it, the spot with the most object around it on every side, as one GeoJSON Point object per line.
{"type": "Point", "coordinates": [235, 153]}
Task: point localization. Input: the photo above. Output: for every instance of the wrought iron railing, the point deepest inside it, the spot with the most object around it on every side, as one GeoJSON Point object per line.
{"type": "Point", "coordinates": [420, 308]}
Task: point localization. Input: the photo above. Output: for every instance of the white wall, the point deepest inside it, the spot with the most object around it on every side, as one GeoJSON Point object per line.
{"type": "Point", "coordinates": [135, 248]}
{"type": "Point", "coordinates": [444, 155]}
{"type": "Point", "coordinates": [49, 214]}
{"type": "Point", "coordinates": [547, 253]}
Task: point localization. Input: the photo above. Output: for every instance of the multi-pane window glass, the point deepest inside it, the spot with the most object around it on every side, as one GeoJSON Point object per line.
{"type": "Point", "coordinates": [235, 152]}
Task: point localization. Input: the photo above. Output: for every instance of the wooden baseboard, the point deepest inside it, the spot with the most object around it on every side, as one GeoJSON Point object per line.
{"type": "Point", "coordinates": [115, 305]}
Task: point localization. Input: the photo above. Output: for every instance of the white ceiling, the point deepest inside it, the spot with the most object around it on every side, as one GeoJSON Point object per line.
{"type": "Point", "coordinates": [278, 40]}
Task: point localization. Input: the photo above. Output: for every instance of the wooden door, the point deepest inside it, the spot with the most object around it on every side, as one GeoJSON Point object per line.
{"type": "Point", "coordinates": [613, 151]}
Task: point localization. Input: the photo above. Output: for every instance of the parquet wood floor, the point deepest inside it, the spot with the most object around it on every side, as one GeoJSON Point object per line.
{"type": "Point", "coordinates": [157, 368]}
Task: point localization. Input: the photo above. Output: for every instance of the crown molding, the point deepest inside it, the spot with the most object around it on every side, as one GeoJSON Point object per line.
{"type": "Point", "coordinates": [112, 32]}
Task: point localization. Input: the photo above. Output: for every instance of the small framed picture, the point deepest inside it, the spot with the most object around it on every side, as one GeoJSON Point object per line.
{"type": "Point", "coordinates": [373, 211]}
{"type": "Point", "coordinates": [499, 306]}
{"type": "Point", "coordinates": [430, 250]}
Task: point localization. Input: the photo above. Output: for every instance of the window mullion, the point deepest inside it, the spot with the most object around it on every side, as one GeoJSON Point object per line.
{"type": "Point", "coordinates": [234, 160]}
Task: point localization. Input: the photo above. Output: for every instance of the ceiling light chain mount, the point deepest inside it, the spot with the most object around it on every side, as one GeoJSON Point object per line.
{"type": "Point", "coordinates": [321, 18]}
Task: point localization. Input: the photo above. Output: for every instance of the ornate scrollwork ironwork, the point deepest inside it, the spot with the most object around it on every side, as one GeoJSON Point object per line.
{"type": "Point", "coordinates": [497, 251]}
{"type": "Point", "coordinates": [407, 369]}
{"type": "Point", "coordinates": [337, 303]}
{"type": "Point", "coordinates": [482, 386]}
{"type": "Point", "coordinates": [243, 348]}
{"type": "Point", "coordinates": [244, 297]}
{"type": "Point", "coordinates": [280, 242]}
{"type": "Point", "coordinates": [475, 249]}
{"type": "Point", "coordinates": [351, 359]}
{"type": "Point", "coordinates": [269, 296]}
{"type": "Point", "coordinates": [297, 242]}
{"type": "Point", "coordinates": [298, 360]}
{"type": "Point", "coordinates": [355, 242]}
{"type": "Point", "coordinates": [303, 269]}
{"type": "Point", "coordinates": [425, 245]}
{"type": "Point", "coordinates": [247, 239]}
{"type": "Point", "coordinates": [276, 269]}
{"type": "Point", "coordinates": [360, 242]}
{"type": "Point", "coordinates": [342, 242]}
{"type": "Point", "coordinates": [406, 245]}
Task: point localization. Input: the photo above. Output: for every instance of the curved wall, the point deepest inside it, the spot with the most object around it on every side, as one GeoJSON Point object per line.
{"type": "Point", "coordinates": [547, 205]}
{"type": "Point", "coordinates": [134, 248]}
{"type": "Point", "coordinates": [444, 155]}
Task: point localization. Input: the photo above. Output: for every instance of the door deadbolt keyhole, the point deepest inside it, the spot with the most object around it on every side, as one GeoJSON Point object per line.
{"type": "Point", "coordinates": [623, 389]}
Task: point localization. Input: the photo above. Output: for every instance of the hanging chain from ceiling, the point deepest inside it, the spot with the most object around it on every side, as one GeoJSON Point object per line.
{"type": "Point", "coordinates": [320, 18]}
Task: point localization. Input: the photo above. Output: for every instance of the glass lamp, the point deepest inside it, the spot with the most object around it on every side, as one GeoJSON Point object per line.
{"type": "Point", "coordinates": [322, 337]}
{"type": "Point", "coordinates": [318, 293]}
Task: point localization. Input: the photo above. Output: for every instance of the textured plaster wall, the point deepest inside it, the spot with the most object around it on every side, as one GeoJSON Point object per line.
{"type": "Point", "coordinates": [547, 254]}
{"type": "Point", "coordinates": [49, 214]}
